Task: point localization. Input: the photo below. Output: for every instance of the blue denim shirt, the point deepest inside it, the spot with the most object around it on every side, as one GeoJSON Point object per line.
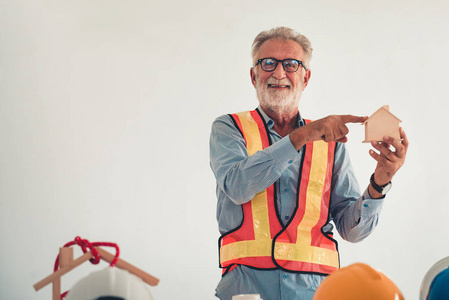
{"type": "Point", "coordinates": [240, 177]}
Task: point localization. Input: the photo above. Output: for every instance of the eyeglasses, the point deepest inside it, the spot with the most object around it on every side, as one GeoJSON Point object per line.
{"type": "Point", "coordinates": [289, 65]}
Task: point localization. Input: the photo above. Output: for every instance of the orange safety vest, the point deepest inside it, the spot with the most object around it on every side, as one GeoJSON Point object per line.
{"type": "Point", "coordinates": [261, 241]}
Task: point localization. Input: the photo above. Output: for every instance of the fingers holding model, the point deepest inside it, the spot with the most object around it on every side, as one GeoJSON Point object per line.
{"type": "Point", "coordinates": [389, 160]}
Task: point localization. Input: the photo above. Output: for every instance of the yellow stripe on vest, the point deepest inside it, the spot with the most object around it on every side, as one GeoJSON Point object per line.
{"type": "Point", "coordinates": [254, 248]}
{"type": "Point", "coordinates": [251, 132]}
{"type": "Point", "coordinates": [307, 254]}
{"type": "Point", "coordinates": [314, 193]}
{"type": "Point", "coordinates": [259, 202]}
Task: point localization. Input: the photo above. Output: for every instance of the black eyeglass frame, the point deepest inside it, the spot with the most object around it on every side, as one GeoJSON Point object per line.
{"type": "Point", "coordinates": [300, 63]}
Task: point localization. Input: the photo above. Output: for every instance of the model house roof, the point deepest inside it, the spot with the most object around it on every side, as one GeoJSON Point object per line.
{"type": "Point", "coordinates": [383, 109]}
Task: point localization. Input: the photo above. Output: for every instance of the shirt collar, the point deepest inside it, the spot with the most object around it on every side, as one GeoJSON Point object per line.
{"type": "Point", "coordinates": [270, 122]}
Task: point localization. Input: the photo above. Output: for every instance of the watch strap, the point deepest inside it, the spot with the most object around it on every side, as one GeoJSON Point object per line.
{"type": "Point", "coordinates": [376, 187]}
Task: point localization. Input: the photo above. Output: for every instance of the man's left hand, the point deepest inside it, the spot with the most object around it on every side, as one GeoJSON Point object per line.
{"type": "Point", "coordinates": [389, 161]}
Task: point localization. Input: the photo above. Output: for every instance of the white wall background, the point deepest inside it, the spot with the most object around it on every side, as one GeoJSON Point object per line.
{"type": "Point", "coordinates": [105, 114]}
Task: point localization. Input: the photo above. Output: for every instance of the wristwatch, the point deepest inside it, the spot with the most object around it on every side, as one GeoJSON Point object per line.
{"type": "Point", "coordinates": [380, 189]}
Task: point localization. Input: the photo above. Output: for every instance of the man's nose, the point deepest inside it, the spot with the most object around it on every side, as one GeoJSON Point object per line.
{"type": "Point", "coordinates": [279, 72]}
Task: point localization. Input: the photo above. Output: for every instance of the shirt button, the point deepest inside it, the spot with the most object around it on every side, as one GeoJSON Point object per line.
{"type": "Point", "coordinates": [285, 276]}
{"type": "Point", "coordinates": [365, 205]}
{"type": "Point", "coordinates": [286, 217]}
{"type": "Point", "coordinates": [286, 190]}
{"type": "Point", "coordinates": [270, 122]}
{"type": "Point", "coordinates": [290, 161]}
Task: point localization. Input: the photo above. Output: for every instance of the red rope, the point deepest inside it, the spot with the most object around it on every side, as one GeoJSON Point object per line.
{"type": "Point", "coordinates": [88, 246]}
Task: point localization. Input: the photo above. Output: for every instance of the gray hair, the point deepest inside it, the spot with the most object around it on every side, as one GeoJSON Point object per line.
{"type": "Point", "coordinates": [284, 34]}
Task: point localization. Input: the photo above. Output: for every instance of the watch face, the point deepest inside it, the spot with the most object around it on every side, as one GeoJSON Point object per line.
{"type": "Point", "coordinates": [386, 189]}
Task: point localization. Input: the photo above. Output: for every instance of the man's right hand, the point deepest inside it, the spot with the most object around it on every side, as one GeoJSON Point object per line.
{"type": "Point", "coordinates": [330, 128]}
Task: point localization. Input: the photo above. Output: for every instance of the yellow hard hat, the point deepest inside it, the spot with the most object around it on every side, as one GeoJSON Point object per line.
{"type": "Point", "coordinates": [356, 282]}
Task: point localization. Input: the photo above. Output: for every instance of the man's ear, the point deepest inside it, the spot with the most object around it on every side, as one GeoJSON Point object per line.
{"type": "Point", "coordinates": [307, 78]}
{"type": "Point", "coordinates": [252, 73]}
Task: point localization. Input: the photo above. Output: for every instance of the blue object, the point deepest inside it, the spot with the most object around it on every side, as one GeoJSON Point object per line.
{"type": "Point", "coordinates": [439, 288]}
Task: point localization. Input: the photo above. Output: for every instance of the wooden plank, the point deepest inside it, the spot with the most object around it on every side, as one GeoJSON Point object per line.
{"type": "Point", "coordinates": [56, 289]}
{"type": "Point", "coordinates": [121, 264]}
{"type": "Point", "coordinates": [49, 279]}
{"type": "Point", "coordinates": [65, 256]}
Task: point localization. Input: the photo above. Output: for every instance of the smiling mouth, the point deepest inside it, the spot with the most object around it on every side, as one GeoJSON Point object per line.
{"type": "Point", "coordinates": [278, 86]}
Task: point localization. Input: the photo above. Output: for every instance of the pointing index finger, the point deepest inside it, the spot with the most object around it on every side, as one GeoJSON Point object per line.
{"type": "Point", "coordinates": [353, 119]}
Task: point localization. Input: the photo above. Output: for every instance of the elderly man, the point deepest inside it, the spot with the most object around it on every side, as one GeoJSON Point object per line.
{"type": "Point", "coordinates": [282, 179]}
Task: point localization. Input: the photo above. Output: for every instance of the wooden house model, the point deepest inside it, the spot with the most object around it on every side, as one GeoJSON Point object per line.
{"type": "Point", "coordinates": [381, 123]}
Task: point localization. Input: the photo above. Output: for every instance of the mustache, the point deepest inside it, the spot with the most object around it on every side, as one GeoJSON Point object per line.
{"type": "Point", "coordinates": [284, 81]}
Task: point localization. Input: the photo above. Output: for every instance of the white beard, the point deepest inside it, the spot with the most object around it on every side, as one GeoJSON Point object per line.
{"type": "Point", "coordinates": [275, 101]}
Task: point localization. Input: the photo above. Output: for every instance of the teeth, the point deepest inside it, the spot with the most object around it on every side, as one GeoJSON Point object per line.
{"type": "Point", "coordinates": [276, 85]}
